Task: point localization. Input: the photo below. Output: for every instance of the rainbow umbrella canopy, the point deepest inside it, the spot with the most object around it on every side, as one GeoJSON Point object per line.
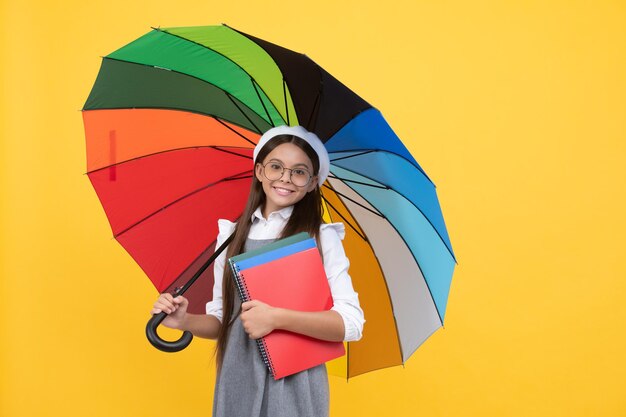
{"type": "Point", "coordinates": [170, 126]}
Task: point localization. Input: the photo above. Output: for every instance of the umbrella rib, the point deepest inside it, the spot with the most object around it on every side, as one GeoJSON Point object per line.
{"type": "Point", "coordinates": [317, 104]}
{"type": "Point", "coordinates": [232, 177]}
{"type": "Point", "coordinates": [166, 151]}
{"type": "Point", "coordinates": [285, 99]}
{"type": "Point", "coordinates": [361, 152]}
{"type": "Point", "coordinates": [230, 97]}
{"type": "Point", "coordinates": [382, 187]}
{"type": "Point", "coordinates": [233, 130]}
{"type": "Point", "coordinates": [411, 252]}
{"type": "Point", "coordinates": [235, 63]}
{"type": "Point", "coordinates": [344, 219]}
{"type": "Point", "coordinates": [352, 156]}
{"type": "Point", "coordinates": [254, 84]}
{"type": "Point", "coordinates": [217, 148]}
{"type": "Point", "coordinates": [356, 202]}
{"type": "Point", "coordinates": [314, 110]}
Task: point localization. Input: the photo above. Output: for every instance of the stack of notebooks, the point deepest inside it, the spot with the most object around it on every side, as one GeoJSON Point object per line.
{"type": "Point", "coordinates": [288, 273]}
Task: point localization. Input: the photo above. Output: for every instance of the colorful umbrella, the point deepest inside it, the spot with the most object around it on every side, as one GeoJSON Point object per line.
{"type": "Point", "coordinates": [170, 126]}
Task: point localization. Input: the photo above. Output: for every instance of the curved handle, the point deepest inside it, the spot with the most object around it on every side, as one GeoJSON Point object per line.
{"type": "Point", "coordinates": [155, 320]}
{"type": "Point", "coordinates": [164, 345]}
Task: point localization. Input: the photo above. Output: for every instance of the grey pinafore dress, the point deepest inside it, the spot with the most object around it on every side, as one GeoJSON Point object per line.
{"type": "Point", "coordinates": [245, 388]}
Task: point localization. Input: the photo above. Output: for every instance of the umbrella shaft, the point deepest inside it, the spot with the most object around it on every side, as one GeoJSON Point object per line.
{"type": "Point", "coordinates": [181, 290]}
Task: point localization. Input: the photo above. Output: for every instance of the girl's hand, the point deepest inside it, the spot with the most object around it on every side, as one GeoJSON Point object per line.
{"type": "Point", "coordinates": [175, 307]}
{"type": "Point", "coordinates": [258, 318]}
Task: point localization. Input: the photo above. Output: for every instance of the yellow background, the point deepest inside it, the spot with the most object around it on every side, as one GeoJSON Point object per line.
{"type": "Point", "coordinates": [515, 109]}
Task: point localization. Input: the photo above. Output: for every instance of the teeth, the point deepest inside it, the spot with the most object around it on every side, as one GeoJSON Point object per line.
{"type": "Point", "coordinates": [282, 191]}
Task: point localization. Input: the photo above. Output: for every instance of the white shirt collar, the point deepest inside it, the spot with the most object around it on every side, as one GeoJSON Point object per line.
{"type": "Point", "coordinates": [284, 213]}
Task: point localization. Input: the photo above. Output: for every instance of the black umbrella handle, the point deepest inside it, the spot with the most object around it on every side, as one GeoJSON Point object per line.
{"type": "Point", "coordinates": [155, 320]}
{"type": "Point", "coordinates": [164, 345]}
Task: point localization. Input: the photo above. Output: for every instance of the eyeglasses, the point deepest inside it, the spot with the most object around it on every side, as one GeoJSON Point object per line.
{"type": "Point", "coordinates": [298, 176]}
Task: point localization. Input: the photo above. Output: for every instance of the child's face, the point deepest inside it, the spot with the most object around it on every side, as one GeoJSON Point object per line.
{"type": "Point", "coordinates": [281, 193]}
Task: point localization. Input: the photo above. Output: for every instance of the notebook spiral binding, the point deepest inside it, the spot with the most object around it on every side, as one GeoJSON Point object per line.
{"type": "Point", "coordinates": [245, 296]}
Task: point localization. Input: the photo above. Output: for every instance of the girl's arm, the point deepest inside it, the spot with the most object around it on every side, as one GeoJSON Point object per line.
{"type": "Point", "coordinates": [325, 325]}
{"type": "Point", "coordinates": [259, 319]}
{"type": "Point", "coordinates": [201, 325]}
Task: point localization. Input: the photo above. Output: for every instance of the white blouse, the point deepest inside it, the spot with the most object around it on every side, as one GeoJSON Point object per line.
{"type": "Point", "coordinates": [345, 299]}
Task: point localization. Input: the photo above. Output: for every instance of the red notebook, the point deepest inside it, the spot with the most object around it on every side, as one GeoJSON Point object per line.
{"type": "Point", "coordinates": [291, 277]}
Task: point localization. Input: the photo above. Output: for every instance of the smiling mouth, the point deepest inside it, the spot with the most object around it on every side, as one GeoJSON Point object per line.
{"type": "Point", "coordinates": [282, 191]}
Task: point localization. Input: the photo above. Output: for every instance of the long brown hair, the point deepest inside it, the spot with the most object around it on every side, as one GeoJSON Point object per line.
{"type": "Point", "coordinates": [306, 217]}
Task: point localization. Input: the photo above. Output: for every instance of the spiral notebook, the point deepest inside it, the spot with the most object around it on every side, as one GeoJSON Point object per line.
{"type": "Point", "coordinates": [288, 273]}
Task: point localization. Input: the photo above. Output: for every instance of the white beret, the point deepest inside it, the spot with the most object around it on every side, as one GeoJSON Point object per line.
{"type": "Point", "coordinates": [309, 137]}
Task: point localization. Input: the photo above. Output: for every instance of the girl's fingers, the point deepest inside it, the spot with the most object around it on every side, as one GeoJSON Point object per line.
{"type": "Point", "coordinates": [168, 303]}
{"type": "Point", "coordinates": [163, 304]}
{"type": "Point", "coordinates": [248, 305]}
{"type": "Point", "coordinates": [157, 310]}
{"type": "Point", "coordinates": [180, 300]}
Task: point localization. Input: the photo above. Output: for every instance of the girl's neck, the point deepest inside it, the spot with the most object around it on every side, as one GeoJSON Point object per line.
{"type": "Point", "coordinates": [267, 211]}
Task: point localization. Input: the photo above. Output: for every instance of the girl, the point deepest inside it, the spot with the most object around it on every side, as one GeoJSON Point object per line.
{"type": "Point", "coordinates": [290, 165]}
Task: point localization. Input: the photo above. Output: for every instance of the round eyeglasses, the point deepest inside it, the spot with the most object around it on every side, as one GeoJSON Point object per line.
{"type": "Point", "coordinates": [298, 176]}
